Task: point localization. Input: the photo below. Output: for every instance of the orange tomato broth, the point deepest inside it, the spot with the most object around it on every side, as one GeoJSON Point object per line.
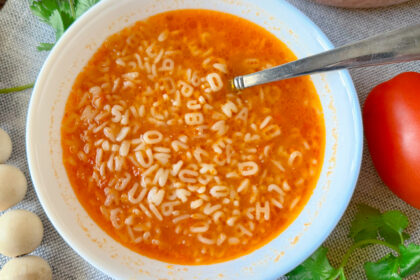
{"type": "Point", "coordinates": [189, 37]}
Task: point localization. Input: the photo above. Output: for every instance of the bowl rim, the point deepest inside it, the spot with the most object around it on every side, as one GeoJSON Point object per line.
{"type": "Point", "coordinates": [321, 37]}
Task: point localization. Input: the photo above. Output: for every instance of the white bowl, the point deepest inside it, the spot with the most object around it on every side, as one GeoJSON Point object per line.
{"type": "Point", "coordinates": [316, 221]}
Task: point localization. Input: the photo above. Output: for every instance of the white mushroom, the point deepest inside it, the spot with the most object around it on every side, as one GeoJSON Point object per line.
{"type": "Point", "coordinates": [21, 233]}
{"type": "Point", "coordinates": [5, 146]}
{"type": "Point", "coordinates": [26, 268]}
{"type": "Point", "coordinates": [12, 186]}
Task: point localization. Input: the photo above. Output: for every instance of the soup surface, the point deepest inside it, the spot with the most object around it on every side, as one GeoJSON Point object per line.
{"type": "Point", "coordinates": [174, 165]}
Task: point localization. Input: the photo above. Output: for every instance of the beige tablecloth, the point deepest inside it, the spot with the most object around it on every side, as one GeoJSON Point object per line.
{"type": "Point", "coordinates": [20, 32]}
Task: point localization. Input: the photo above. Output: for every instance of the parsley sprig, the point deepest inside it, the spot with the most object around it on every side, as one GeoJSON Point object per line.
{"type": "Point", "coordinates": [59, 14]}
{"type": "Point", "coordinates": [369, 227]}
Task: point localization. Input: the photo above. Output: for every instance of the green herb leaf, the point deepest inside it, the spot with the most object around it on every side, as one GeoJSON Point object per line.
{"type": "Point", "coordinates": [369, 227]}
{"type": "Point", "coordinates": [316, 267]}
{"type": "Point", "coordinates": [45, 46]}
{"type": "Point", "coordinates": [55, 13]}
{"type": "Point", "coordinates": [406, 236]}
{"type": "Point", "coordinates": [59, 14]}
{"type": "Point", "coordinates": [43, 9]}
{"type": "Point", "coordinates": [390, 235]}
{"type": "Point", "coordinates": [83, 5]}
{"type": "Point", "coordinates": [392, 231]}
{"type": "Point", "coordinates": [409, 259]}
{"type": "Point", "coordinates": [366, 223]}
{"type": "Point", "coordinates": [385, 269]}
{"type": "Point", "coordinates": [56, 21]}
{"type": "Point", "coordinates": [395, 220]}
{"type": "Point", "coordinates": [369, 222]}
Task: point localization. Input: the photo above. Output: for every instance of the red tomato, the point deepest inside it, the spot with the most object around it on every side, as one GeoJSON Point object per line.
{"type": "Point", "coordinates": [391, 117]}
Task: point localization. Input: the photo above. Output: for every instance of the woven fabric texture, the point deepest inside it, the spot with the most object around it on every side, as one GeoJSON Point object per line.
{"type": "Point", "coordinates": [20, 62]}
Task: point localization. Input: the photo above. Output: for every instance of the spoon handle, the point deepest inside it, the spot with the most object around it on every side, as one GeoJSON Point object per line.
{"type": "Point", "coordinates": [392, 47]}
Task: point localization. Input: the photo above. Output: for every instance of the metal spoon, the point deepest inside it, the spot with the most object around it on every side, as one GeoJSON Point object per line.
{"type": "Point", "coordinates": [392, 47]}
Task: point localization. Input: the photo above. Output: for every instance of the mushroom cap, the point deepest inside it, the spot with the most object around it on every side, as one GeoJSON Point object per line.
{"type": "Point", "coordinates": [13, 186]}
{"type": "Point", "coordinates": [5, 146]}
{"type": "Point", "coordinates": [26, 268]}
{"type": "Point", "coordinates": [21, 233]}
